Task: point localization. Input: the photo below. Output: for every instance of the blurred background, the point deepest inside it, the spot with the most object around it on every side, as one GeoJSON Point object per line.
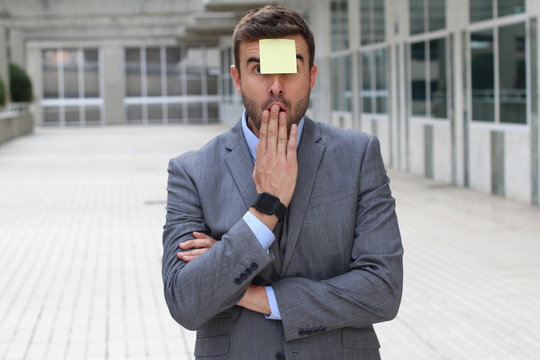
{"type": "Point", "coordinates": [97, 95]}
{"type": "Point", "coordinates": [450, 87]}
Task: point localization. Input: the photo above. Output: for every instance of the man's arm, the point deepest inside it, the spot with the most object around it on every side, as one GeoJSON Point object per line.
{"type": "Point", "coordinates": [370, 291]}
{"type": "Point", "coordinates": [197, 290]}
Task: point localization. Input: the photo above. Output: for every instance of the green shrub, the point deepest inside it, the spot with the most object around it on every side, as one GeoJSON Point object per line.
{"type": "Point", "coordinates": [2, 93]}
{"type": "Point", "coordinates": [20, 84]}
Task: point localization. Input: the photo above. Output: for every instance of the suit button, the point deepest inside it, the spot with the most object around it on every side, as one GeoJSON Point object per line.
{"type": "Point", "coordinates": [309, 332]}
{"type": "Point", "coordinates": [237, 281]}
{"type": "Point", "coordinates": [253, 266]}
{"type": "Point", "coordinates": [280, 356]}
{"type": "Point", "coordinates": [248, 271]}
{"type": "Point", "coordinates": [243, 276]}
{"type": "Point", "coordinates": [301, 332]}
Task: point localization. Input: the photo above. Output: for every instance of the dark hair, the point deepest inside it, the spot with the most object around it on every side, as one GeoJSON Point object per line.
{"type": "Point", "coordinates": [271, 22]}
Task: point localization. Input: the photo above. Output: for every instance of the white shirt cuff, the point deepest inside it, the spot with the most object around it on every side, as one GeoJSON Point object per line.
{"type": "Point", "coordinates": [275, 314]}
{"type": "Point", "coordinates": [262, 232]}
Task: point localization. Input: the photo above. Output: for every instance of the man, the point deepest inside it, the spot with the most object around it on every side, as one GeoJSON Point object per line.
{"type": "Point", "coordinates": [281, 239]}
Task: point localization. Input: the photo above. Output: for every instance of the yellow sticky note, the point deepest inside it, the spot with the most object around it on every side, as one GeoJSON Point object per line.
{"type": "Point", "coordinates": [277, 56]}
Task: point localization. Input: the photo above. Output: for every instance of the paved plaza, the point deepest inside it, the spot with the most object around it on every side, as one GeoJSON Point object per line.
{"type": "Point", "coordinates": [81, 213]}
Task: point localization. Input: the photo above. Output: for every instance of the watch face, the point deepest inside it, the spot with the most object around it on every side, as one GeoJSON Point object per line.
{"type": "Point", "coordinates": [266, 203]}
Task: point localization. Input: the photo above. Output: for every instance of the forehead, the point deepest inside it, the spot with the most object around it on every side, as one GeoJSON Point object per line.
{"type": "Point", "coordinates": [250, 49]}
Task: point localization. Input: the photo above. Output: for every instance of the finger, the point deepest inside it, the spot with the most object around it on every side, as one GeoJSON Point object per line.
{"type": "Point", "coordinates": [271, 138]}
{"type": "Point", "coordinates": [263, 131]}
{"type": "Point", "coordinates": [292, 143]}
{"type": "Point", "coordinates": [198, 235]}
{"type": "Point", "coordinates": [197, 244]}
{"type": "Point", "coordinates": [282, 134]}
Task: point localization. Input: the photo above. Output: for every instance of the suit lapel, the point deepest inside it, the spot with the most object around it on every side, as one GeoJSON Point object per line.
{"type": "Point", "coordinates": [310, 154]}
{"type": "Point", "coordinates": [240, 164]}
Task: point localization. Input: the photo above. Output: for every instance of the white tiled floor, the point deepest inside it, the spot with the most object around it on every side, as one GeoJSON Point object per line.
{"type": "Point", "coordinates": [81, 212]}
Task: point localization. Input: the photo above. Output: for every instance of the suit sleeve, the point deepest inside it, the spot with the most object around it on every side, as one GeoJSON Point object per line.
{"type": "Point", "coordinates": [197, 291]}
{"type": "Point", "coordinates": [370, 291]}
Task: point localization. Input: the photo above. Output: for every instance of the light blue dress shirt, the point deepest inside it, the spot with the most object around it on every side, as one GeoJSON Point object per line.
{"type": "Point", "coordinates": [262, 232]}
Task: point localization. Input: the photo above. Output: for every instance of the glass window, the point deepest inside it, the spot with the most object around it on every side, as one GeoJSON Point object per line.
{"type": "Point", "coordinates": [133, 72]}
{"type": "Point", "coordinates": [50, 74]}
{"type": "Point", "coordinates": [418, 78]}
{"type": "Point", "coordinates": [367, 106]}
{"type": "Point", "coordinates": [510, 7]}
{"type": "Point", "coordinates": [212, 70]}
{"type": "Point", "coordinates": [92, 115]}
{"type": "Point", "coordinates": [172, 63]}
{"type": "Point", "coordinates": [70, 69]}
{"type": "Point", "coordinates": [480, 10]}
{"type": "Point", "coordinates": [381, 79]}
{"type": "Point", "coordinates": [195, 113]}
{"type": "Point", "coordinates": [438, 78]}
{"type": "Point", "coordinates": [91, 73]}
{"type": "Point", "coordinates": [437, 16]}
{"type": "Point", "coordinates": [339, 24]}
{"type": "Point", "coordinates": [134, 113]}
{"type": "Point", "coordinates": [417, 17]}
{"type": "Point", "coordinates": [373, 21]}
{"type": "Point", "coordinates": [512, 74]}
{"type": "Point", "coordinates": [155, 113]}
{"type": "Point", "coordinates": [153, 72]}
{"type": "Point", "coordinates": [175, 113]}
{"type": "Point", "coordinates": [71, 114]}
{"type": "Point", "coordinates": [51, 115]}
{"type": "Point", "coordinates": [195, 63]}
{"type": "Point", "coordinates": [482, 75]}
{"type": "Point", "coordinates": [341, 77]}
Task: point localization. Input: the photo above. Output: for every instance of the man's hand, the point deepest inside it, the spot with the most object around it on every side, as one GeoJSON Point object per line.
{"type": "Point", "coordinates": [255, 299]}
{"type": "Point", "coordinates": [276, 166]}
{"type": "Point", "coordinates": [200, 245]}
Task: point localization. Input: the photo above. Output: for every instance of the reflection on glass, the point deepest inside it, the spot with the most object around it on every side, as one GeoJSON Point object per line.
{"type": "Point", "coordinates": [341, 81]}
{"type": "Point", "coordinates": [69, 58]}
{"type": "Point", "coordinates": [195, 113]}
{"type": "Point", "coordinates": [379, 27]}
{"type": "Point", "coordinates": [480, 10]}
{"type": "Point", "coordinates": [366, 83]}
{"type": "Point", "coordinates": [50, 75]}
{"type": "Point", "coordinates": [482, 76]}
{"type": "Point", "coordinates": [51, 115]}
{"type": "Point", "coordinates": [373, 21]}
{"type": "Point", "coordinates": [437, 14]}
{"type": "Point", "coordinates": [172, 64]}
{"type": "Point", "coordinates": [71, 115]}
{"type": "Point", "coordinates": [153, 72]}
{"type": "Point", "coordinates": [381, 86]}
{"type": "Point", "coordinates": [339, 24]}
{"type": "Point", "coordinates": [134, 113]}
{"type": "Point", "coordinates": [175, 113]}
{"type": "Point", "coordinates": [510, 7]}
{"type": "Point", "coordinates": [92, 115]}
{"type": "Point", "coordinates": [438, 91]}
{"type": "Point", "coordinates": [133, 72]}
{"type": "Point", "coordinates": [91, 73]}
{"type": "Point", "coordinates": [155, 113]}
{"type": "Point", "coordinates": [416, 12]}
{"type": "Point", "coordinates": [365, 16]}
{"type": "Point", "coordinates": [512, 74]}
{"type": "Point", "coordinates": [195, 62]}
{"type": "Point", "coordinates": [418, 78]}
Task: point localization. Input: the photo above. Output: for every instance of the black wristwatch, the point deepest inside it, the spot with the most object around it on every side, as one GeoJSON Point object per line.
{"type": "Point", "coordinates": [270, 205]}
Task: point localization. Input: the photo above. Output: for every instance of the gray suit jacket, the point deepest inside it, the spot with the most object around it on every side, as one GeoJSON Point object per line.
{"type": "Point", "coordinates": [336, 271]}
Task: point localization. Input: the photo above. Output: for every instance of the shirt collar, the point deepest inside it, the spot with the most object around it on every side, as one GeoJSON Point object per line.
{"type": "Point", "coordinates": [252, 140]}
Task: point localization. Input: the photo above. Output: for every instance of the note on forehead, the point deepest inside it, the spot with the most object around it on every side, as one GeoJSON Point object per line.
{"type": "Point", "coordinates": [278, 56]}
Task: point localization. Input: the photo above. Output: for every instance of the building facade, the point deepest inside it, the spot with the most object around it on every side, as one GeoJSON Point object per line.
{"type": "Point", "coordinates": [449, 87]}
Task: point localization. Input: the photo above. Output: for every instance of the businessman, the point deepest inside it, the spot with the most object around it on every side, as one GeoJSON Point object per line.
{"type": "Point", "coordinates": [281, 239]}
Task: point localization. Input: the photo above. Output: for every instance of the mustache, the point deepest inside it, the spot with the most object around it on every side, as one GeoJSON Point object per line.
{"type": "Point", "coordinates": [278, 99]}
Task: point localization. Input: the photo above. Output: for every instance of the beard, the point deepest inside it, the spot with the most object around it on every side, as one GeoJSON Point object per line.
{"type": "Point", "coordinates": [254, 112]}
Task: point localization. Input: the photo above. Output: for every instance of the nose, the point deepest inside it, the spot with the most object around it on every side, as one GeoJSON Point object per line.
{"type": "Point", "coordinates": [277, 87]}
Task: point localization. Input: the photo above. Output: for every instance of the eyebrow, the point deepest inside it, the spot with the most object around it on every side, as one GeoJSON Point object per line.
{"type": "Point", "coordinates": [257, 60]}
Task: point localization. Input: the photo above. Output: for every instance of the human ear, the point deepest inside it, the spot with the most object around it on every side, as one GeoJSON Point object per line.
{"type": "Point", "coordinates": [235, 74]}
{"type": "Point", "coordinates": [313, 76]}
